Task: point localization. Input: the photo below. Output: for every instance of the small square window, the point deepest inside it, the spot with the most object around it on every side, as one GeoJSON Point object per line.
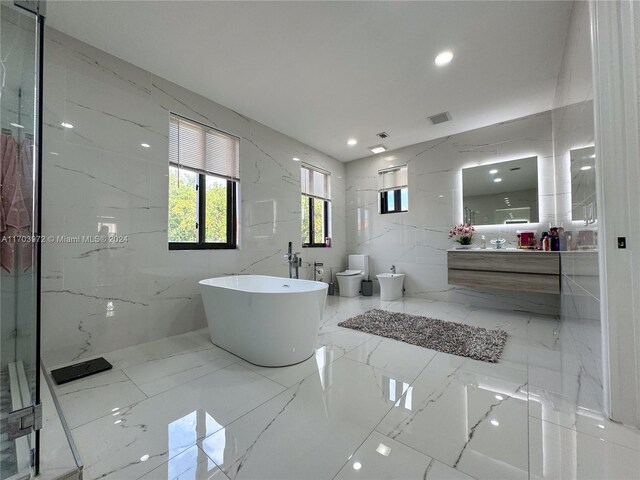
{"type": "Point", "coordinates": [394, 192]}
{"type": "Point", "coordinates": [394, 201]}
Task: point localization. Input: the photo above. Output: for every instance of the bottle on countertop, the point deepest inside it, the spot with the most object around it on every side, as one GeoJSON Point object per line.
{"type": "Point", "coordinates": [545, 242]}
{"type": "Point", "coordinates": [554, 240]}
{"type": "Point", "coordinates": [562, 240]}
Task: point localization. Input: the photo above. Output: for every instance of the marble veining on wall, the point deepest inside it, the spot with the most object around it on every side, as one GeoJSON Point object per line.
{"type": "Point", "coordinates": [100, 297]}
{"type": "Point", "coordinates": [416, 241]}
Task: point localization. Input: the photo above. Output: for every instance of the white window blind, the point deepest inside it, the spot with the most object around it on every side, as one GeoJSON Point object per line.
{"type": "Point", "coordinates": [393, 178]}
{"type": "Point", "coordinates": [202, 148]}
{"type": "Point", "coordinates": [315, 182]}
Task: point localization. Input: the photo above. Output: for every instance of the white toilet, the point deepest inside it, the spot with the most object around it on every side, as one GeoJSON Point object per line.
{"type": "Point", "coordinates": [350, 280]}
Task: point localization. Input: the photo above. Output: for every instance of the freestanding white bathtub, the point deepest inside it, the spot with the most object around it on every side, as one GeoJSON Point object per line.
{"type": "Point", "coordinates": [268, 321]}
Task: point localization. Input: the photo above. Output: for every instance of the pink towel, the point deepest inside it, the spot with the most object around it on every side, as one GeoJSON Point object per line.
{"type": "Point", "coordinates": [16, 190]}
{"type": "Point", "coordinates": [8, 186]}
{"type": "Point", "coordinates": [8, 155]}
{"type": "Point", "coordinates": [26, 177]}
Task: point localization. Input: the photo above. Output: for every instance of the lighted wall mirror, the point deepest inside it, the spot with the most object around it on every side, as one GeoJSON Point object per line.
{"type": "Point", "coordinates": [583, 185]}
{"type": "Point", "coordinates": [501, 193]}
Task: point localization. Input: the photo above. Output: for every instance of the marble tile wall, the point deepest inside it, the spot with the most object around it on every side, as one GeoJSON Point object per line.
{"type": "Point", "coordinates": [573, 127]}
{"type": "Point", "coordinates": [100, 297]}
{"type": "Point", "coordinates": [416, 241]}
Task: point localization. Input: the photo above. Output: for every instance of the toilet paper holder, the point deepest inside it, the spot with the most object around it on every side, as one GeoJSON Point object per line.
{"type": "Point", "coordinates": [318, 271]}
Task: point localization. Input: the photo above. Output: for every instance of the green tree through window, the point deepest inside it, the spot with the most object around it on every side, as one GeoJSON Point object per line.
{"type": "Point", "coordinates": [216, 210]}
{"type": "Point", "coordinates": [183, 205]}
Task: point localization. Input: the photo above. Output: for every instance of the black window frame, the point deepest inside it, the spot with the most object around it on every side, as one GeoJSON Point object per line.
{"type": "Point", "coordinates": [312, 200]}
{"type": "Point", "coordinates": [397, 201]}
{"type": "Point", "coordinates": [232, 215]}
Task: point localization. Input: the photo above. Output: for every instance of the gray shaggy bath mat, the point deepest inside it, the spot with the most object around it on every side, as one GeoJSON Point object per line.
{"type": "Point", "coordinates": [448, 337]}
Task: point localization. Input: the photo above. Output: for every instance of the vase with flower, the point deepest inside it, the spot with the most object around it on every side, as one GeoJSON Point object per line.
{"type": "Point", "coordinates": [462, 234]}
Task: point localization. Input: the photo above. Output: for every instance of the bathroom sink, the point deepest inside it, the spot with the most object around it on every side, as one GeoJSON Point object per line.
{"type": "Point", "coordinates": [390, 285]}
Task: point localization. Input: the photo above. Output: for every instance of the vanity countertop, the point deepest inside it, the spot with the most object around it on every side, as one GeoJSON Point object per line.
{"type": "Point", "coordinates": [498, 250]}
{"type": "Point", "coordinates": [512, 250]}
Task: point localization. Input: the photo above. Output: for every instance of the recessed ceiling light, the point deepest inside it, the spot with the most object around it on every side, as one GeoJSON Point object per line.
{"type": "Point", "coordinates": [295, 159]}
{"type": "Point", "coordinates": [600, 426]}
{"type": "Point", "coordinates": [144, 458]}
{"type": "Point", "coordinates": [145, 145]}
{"type": "Point", "coordinates": [357, 466]}
{"type": "Point", "coordinates": [497, 179]}
{"type": "Point", "coordinates": [493, 172]}
{"type": "Point", "coordinates": [66, 125]}
{"type": "Point", "coordinates": [499, 397]}
{"type": "Point", "coordinates": [383, 449]}
{"type": "Point", "coordinates": [592, 156]}
{"type": "Point", "coordinates": [586, 167]}
{"type": "Point", "coordinates": [378, 148]}
{"type": "Point", "coordinates": [54, 153]}
{"type": "Point", "coordinates": [352, 141]}
{"type": "Point", "coordinates": [17, 125]}
{"type": "Point", "coordinates": [443, 58]}
{"type": "Point", "coordinates": [495, 423]}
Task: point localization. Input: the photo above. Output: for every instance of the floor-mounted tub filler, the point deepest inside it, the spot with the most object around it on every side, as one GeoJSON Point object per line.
{"type": "Point", "coordinates": [268, 321]}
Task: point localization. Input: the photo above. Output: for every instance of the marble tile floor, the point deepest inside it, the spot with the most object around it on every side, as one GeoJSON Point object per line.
{"type": "Point", "coordinates": [362, 407]}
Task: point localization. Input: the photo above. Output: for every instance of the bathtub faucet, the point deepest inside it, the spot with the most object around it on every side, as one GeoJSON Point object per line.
{"type": "Point", "coordinates": [294, 262]}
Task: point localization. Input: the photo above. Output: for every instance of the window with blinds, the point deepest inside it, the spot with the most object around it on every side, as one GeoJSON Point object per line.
{"type": "Point", "coordinates": [203, 184]}
{"type": "Point", "coordinates": [198, 147]}
{"type": "Point", "coordinates": [315, 182]}
{"type": "Point", "coordinates": [393, 189]}
{"type": "Point", "coordinates": [315, 185]}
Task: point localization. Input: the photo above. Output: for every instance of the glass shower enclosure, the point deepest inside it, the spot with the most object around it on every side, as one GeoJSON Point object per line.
{"type": "Point", "coordinates": [21, 27]}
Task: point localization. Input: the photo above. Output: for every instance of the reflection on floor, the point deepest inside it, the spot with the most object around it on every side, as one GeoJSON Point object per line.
{"type": "Point", "coordinates": [362, 407]}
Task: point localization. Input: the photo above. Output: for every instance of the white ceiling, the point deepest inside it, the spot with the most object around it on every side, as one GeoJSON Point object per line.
{"type": "Point", "coordinates": [322, 72]}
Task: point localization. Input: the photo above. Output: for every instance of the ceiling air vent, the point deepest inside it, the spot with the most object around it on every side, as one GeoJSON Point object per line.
{"type": "Point", "coordinates": [440, 118]}
{"type": "Point", "coordinates": [382, 135]}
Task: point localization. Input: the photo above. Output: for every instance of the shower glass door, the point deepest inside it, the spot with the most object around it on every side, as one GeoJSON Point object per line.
{"type": "Point", "coordinates": [19, 345]}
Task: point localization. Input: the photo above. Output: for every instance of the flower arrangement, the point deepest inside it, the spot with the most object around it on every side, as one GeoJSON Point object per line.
{"type": "Point", "coordinates": [463, 233]}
